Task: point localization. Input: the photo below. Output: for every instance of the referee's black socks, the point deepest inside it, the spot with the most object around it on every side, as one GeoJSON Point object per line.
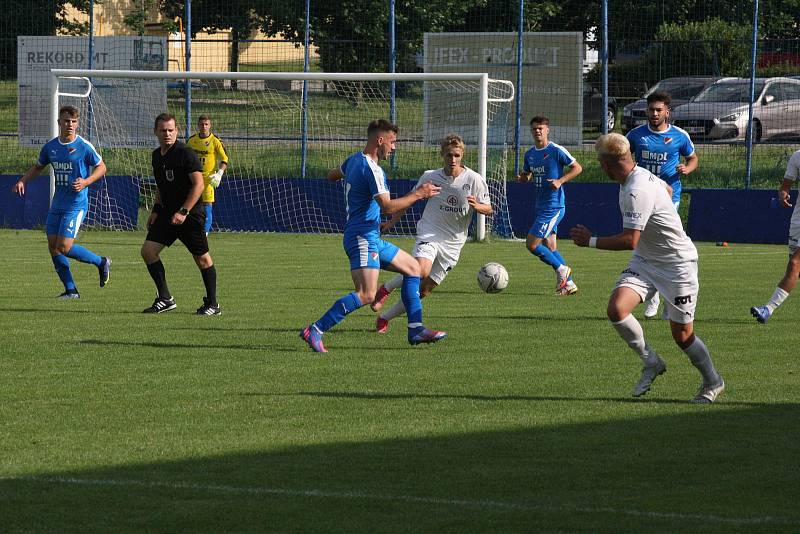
{"type": "Point", "coordinates": [159, 276]}
{"type": "Point", "coordinates": [210, 281]}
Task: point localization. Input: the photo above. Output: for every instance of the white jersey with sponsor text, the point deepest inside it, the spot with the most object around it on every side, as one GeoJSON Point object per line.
{"type": "Point", "coordinates": [793, 173]}
{"type": "Point", "coordinates": [447, 215]}
{"type": "Point", "coordinates": [647, 206]}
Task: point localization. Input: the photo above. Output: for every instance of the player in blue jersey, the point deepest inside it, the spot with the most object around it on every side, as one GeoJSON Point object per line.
{"type": "Point", "coordinates": [545, 163]}
{"type": "Point", "coordinates": [366, 197]}
{"type": "Point", "coordinates": [76, 165]}
{"type": "Point", "coordinates": [658, 146]}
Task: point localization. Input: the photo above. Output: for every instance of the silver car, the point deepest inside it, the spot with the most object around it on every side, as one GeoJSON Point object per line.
{"type": "Point", "coordinates": [720, 112]}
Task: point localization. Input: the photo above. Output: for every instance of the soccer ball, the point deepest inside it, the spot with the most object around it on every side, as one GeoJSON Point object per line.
{"type": "Point", "coordinates": [492, 277]}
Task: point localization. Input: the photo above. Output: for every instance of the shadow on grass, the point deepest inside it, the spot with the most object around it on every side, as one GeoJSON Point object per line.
{"type": "Point", "coordinates": [711, 469]}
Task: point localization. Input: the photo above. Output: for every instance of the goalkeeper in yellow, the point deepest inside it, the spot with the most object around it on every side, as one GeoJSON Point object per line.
{"type": "Point", "coordinates": [214, 161]}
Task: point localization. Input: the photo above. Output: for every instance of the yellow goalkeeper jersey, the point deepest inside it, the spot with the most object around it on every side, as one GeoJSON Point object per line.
{"type": "Point", "coordinates": [210, 150]}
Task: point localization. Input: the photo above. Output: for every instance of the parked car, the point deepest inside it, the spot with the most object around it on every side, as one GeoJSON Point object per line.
{"type": "Point", "coordinates": [681, 89]}
{"type": "Point", "coordinates": [720, 112]}
{"type": "Point", "coordinates": [593, 113]}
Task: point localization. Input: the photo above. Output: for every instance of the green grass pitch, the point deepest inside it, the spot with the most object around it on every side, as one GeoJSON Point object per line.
{"type": "Point", "coordinates": [521, 420]}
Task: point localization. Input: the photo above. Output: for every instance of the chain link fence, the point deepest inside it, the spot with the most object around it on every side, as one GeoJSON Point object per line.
{"type": "Point", "coordinates": [553, 50]}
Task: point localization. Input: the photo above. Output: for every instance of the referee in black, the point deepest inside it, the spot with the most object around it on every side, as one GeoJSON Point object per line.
{"type": "Point", "coordinates": [177, 214]}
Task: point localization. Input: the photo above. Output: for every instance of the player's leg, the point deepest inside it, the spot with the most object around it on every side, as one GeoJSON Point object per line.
{"type": "Point", "coordinates": [161, 234]}
{"type": "Point", "coordinates": [364, 257]}
{"type": "Point", "coordinates": [208, 207]}
{"type": "Point", "coordinates": [680, 290]}
{"type": "Point", "coordinates": [73, 221]}
{"type": "Point", "coordinates": [570, 288]}
{"type": "Point", "coordinates": [787, 283]}
{"type": "Point", "coordinates": [192, 234]}
{"type": "Point", "coordinates": [630, 291]}
{"type": "Point", "coordinates": [425, 287]}
{"type": "Point", "coordinates": [408, 266]}
{"type": "Point", "coordinates": [542, 228]}
{"type": "Point", "coordinates": [56, 244]}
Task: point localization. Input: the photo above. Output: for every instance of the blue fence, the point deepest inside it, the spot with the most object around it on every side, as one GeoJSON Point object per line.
{"type": "Point", "coordinates": [743, 216]}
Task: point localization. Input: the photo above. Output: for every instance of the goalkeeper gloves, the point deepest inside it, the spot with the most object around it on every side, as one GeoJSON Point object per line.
{"type": "Point", "coordinates": [216, 178]}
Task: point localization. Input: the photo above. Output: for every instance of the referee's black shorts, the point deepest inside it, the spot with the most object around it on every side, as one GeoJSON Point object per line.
{"type": "Point", "coordinates": [191, 233]}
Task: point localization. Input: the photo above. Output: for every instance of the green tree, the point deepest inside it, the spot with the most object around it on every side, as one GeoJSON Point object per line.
{"type": "Point", "coordinates": [35, 17]}
{"type": "Point", "coordinates": [241, 17]}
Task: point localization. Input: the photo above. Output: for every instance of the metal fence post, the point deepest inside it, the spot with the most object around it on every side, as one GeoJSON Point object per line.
{"type": "Point", "coordinates": [392, 67]}
{"type": "Point", "coordinates": [304, 118]}
{"type": "Point", "coordinates": [90, 110]}
{"type": "Point", "coordinates": [518, 110]}
{"type": "Point", "coordinates": [188, 57]}
{"type": "Point", "coordinates": [604, 60]}
{"type": "Point", "coordinates": [748, 158]}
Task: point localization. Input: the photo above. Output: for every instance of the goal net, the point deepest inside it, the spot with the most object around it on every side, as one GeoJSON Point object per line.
{"type": "Point", "coordinates": [283, 132]}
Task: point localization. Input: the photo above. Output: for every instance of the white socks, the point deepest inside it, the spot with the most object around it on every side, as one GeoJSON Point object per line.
{"type": "Point", "coordinates": [631, 331]}
{"type": "Point", "coordinates": [777, 299]}
{"type": "Point", "coordinates": [700, 357]}
{"type": "Point", "coordinates": [394, 283]}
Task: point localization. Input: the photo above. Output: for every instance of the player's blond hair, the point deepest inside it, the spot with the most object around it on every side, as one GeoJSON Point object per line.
{"type": "Point", "coordinates": [613, 146]}
{"type": "Point", "coordinates": [452, 140]}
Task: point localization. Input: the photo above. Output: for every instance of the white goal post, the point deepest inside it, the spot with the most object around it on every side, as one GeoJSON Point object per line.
{"type": "Point", "coordinates": [264, 117]}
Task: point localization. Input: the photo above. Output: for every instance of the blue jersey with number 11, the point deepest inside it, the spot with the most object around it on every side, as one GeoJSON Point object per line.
{"type": "Point", "coordinates": [660, 152]}
{"type": "Point", "coordinates": [547, 164]}
{"type": "Point", "coordinates": [70, 161]}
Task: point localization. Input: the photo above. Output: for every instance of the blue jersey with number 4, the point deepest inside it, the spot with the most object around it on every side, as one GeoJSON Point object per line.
{"type": "Point", "coordinates": [364, 180]}
{"type": "Point", "coordinates": [660, 153]}
{"type": "Point", "coordinates": [70, 161]}
{"type": "Point", "coordinates": [547, 164]}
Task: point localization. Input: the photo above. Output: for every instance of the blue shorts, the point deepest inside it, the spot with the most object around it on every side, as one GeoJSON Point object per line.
{"type": "Point", "coordinates": [64, 223]}
{"type": "Point", "coordinates": [369, 252]}
{"type": "Point", "coordinates": [546, 223]}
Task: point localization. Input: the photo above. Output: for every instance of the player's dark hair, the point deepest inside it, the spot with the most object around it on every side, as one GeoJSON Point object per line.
{"type": "Point", "coordinates": [202, 118]}
{"type": "Point", "coordinates": [381, 126]}
{"type": "Point", "coordinates": [72, 111]}
{"type": "Point", "coordinates": [540, 120]}
{"type": "Point", "coordinates": [659, 96]}
{"type": "Point", "coordinates": [164, 117]}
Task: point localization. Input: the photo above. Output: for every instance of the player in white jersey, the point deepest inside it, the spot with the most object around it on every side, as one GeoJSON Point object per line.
{"type": "Point", "coordinates": [664, 259]}
{"type": "Point", "coordinates": [442, 229]}
{"type": "Point", "coordinates": [789, 280]}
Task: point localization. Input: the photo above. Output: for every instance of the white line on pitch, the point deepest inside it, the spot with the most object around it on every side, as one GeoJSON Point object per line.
{"type": "Point", "coordinates": [404, 498]}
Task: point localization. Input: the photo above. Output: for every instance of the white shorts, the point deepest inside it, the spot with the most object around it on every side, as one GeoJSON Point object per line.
{"type": "Point", "coordinates": [443, 256]}
{"type": "Point", "coordinates": [677, 283]}
{"type": "Point", "coordinates": [794, 236]}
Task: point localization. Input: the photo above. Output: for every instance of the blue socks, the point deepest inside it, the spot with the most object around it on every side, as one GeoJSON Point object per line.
{"type": "Point", "coordinates": [209, 217]}
{"type": "Point", "coordinates": [341, 308]}
{"type": "Point", "coordinates": [84, 255]}
{"type": "Point", "coordinates": [553, 259]}
{"type": "Point", "coordinates": [409, 293]}
{"type": "Point", "coordinates": [62, 269]}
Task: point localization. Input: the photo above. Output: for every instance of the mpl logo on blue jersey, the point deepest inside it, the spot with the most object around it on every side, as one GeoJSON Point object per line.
{"type": "Point", "coordinates": [654, 156]}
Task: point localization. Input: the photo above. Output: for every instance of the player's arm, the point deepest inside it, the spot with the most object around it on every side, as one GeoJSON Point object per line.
{"type": "Point", "coordinates": [784, 191]}
{"type": "Point", "coordinates": [626, 240]}
{"type": "Point", "coordinates": [391, 206]}
{"type": "Point", "coordinates": [483, 209]}
{"type": "Point", "coordinates": [692, 161]}
{"type": "Point", "coordinates": [195, 192]}
{"type": "Point", "coordinates": [334, 175]}
{"type": "Point", "coordinates": [98, 172]}
{"type": "Point", "coordinates": [33, 172]}
{"type": "Point", "coordinates": [386, 225]}
{"type": "Point", "coordinates": [222, 156]}
{"type": "Point", "coordinates": [574, 169]}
